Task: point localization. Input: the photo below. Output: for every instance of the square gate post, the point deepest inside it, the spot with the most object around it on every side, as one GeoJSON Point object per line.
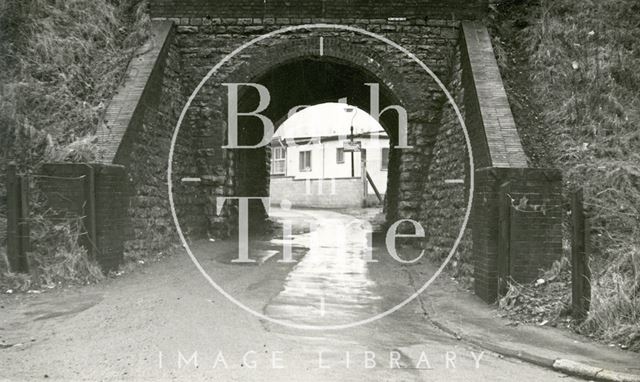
{"type": "Point", "coordinates": [89, 219]}
{"type": "Point", "coordinates": [504, 238]}
{"type": "Point", "coordinates": [518, 240]}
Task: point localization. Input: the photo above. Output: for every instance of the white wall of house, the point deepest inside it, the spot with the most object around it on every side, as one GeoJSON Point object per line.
{"type": "Point", "coordinates": [325, 163]}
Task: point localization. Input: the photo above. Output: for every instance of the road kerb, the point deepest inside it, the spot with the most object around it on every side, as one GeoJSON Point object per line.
{"type": "Point", "coordinates": [569, 367]}
{"type": "Point", "coordinates": [614, 376]}
{"type": "Point", "coordinates": [577, 368]}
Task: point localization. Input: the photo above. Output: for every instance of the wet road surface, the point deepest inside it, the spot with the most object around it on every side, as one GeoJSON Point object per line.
{"type": "Point", "coordinates": [165, 322]}
{"type": "Point", "coordinates": [330, 285]}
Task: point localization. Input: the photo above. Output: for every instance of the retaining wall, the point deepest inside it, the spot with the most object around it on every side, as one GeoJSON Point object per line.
{"type": "Point", "coordinates": [325, 193]}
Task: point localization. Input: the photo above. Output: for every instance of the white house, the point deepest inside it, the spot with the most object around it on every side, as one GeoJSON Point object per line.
{"type": "Point", "coordinates": [318, 172]}
{"type": "Point", "coordinates": [312, 167]}
{"type": "Point", "coordinates": [325, 158]}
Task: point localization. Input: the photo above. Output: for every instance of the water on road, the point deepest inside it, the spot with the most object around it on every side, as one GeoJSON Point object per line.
{"type": "Point", "coordinates": [331, 284]}
{"type": "Point", "coordinates": [164, 321]}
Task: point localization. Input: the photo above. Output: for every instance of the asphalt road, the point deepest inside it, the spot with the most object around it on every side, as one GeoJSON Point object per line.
{"type": "Point", "coordinates": [164, 321]}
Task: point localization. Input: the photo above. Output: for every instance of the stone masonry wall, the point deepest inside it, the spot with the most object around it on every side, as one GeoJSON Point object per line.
{"type": "Point", "coordinates": [427, 182]}
{"type": "Point", "coordinates": [529, 237]}
{"type": "Point", "coordinates": [445, 192]}
{"type": "Point", "coordinates": [204, 41]}
{"type": "Point", "coordinates": [147, 144]}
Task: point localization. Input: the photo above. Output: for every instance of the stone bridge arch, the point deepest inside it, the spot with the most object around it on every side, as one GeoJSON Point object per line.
{"type": "Point", "coordinates": [190, 36]}
{"type": "Point", "coordinates": [309, 67]}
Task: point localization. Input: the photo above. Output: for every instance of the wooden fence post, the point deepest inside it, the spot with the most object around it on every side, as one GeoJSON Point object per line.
{"type": "Point", "coordinates": [373, 186]}
{"type": "Point", "coordinates": [24, 226]}
{"type": "Point", "coordinates": [13, 242]}
{"type": "Point", "coordinates": [17, 232]}
{"type": "Point", "coordinates": [580, 272]}
{"type": "Point", "coordinates": [365, 183]}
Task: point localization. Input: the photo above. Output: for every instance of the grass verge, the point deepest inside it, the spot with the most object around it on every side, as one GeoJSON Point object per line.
{"type": "Point", "coordinates": [61, 64]}
{"type": "Point", "coordinates": [571, 74]}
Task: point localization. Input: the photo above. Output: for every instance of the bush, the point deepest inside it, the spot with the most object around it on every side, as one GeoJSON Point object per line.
{"type": "Point", "coordinates": [56, 256]}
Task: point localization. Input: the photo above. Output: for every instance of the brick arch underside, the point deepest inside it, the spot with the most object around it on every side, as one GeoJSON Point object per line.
{"type": "Point", "coordinates": [296, 73]}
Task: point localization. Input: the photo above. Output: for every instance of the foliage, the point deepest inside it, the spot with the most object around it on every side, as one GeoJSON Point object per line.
{"type": "Point", "coordinates": [61, 63]}
{"type": "Point", "coordinates": [56, 257]}
{"type": "Point", "coordinates": [581, 62]}
{"type": "Point", "coordinates": [56, 253]}
{"type": "Point", "coordinates": [544, 301]}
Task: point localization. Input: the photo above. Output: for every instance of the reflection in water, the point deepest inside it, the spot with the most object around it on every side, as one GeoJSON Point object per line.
{"type": "Point", "coordinates": [330, 284]}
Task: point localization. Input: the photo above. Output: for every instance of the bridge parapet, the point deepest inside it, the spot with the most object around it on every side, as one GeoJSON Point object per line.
{"type": "Point", "coordinates": [489, 119]}
{"type": "Point", "coordinates": [433, 176]}
{"type": "Point", "coordinates": [136, 134]}
{"type": "Point", "coordinates": [517, 212]}
{"type": "Point", "coordinates": [140, 90]}
{"type": "Point", "coordinates": [515, 227]}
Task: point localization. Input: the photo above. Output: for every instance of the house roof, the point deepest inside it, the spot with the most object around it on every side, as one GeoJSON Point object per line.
{"type": "Point", "coordinates": [328, 120]}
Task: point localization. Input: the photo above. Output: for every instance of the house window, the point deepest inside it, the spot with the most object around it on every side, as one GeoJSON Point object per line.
{"type": "Point", "coordinates": [385, 159]}
{"type": "Point", "coordinates": [339, 155]}
{"type": "Point", "coordinates": [305, 161]}
{"type": "Point", "coordinates": [278, 160]}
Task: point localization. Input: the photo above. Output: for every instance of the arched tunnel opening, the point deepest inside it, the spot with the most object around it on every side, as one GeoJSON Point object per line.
{"type": "Point", "coordinates": [302, 83]}
{"type": "Point", "coordinates": [327, 247]}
